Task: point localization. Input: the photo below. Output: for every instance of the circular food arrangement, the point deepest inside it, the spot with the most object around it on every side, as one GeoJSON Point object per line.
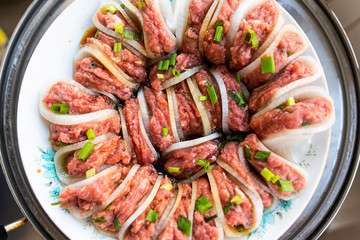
{"type": "Point", "coordinates": [189, 119]}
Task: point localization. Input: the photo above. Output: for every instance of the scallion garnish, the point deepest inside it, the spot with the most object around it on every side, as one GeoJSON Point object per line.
{"type": "Point", "coordinates": [238, 98]}
{"type": "Point", "coordinates": [111, 8]}
{"type": "Point", "coordinates": [290, 53]}
{"type": "Point", "coordinates": [203, 98]}
{"type": "Point", "coordinates": [184, 225]}
{"type": "Point", "coordinates": [211, 91]}
{"type": "Point", "coordinates": [281, 107]}
{"type": "Point", "coordinates": [119, 27]}
{"type": "Point", "coordinates": [285, 186]}
{"type": "Point", "coordinates": [108, 207]}
{"type": "Point", "coordinates": [140, 4]}
{"type": "Point", "coordinates": [236, 137]}
{"type": "Point", "coordinates": [60, 108]}
{"type": "Point", "coordinates": [175, 72]}
{"type": "Point", "coordinates": [247, 153]}
{"type": "Point", "coordinates": [160, 76]}
{"type": "Point", "coordinates": [218, 34]}
{"type": "Point", "coordinates": [228, 207]}
{"type": "Point", "coordinates": [129, 34]}
{"type": "Point", "coordinates": [275, 179]}
{"type": "Point", "coordinates": [96, 34]}
{"type": "Point", "coordinates": [85, 151]}
{"type": "Point", "coordinates": [203, 204]}
{"type": "Point", "coordinates": [165, 131]}
{"type": "Point", "coordinates": [237, 200]}
{"type": "Point", "coordinates": [187, 176]}
{"type": "Point", "coordinates": [165, 65]}
{"type": "Point", "coordinates": [261, 155]}
{"type": "Point", "coordinates": [91, 172]}
{"type": "Point", "coordinates": [138, 37]}
{"type": "Point", "coordinates": [219, 23]}
{"type": "Point", "coordinates": [116, 224]}
{"type": "Point", "coordinates": [305, 123]}
{"type": "Point", "coordinates": [55, 203]}
{"type": "Point", "coordinates": [101, 220]}
{"type": "Point", "coordinates": [160, 66]}
{"type": "Point", "coordinates": [267, 174]}
{"type": "Point", "coordinates": [290, 101]}
{"type": "Point", "coordinates": [205, 164]}
{"type": "Point", "coordinates": [238, 77]}
{"type": "Point", "coordinates": [251, 38]}
{"type": "Point", "coordinates": [152, 216]}
{"type": "Point", "coordinates": [167, 186]}
{"type": "Point", "coordinates": [267, 65]}
{"type": "Point", "coordinates": [173, 59]}
{"type": "Point", "coordinates": [90, 134]}
{"type": "Point", "coordinates": [117, 47]}
{"type": "Point", "coordinates": [210, 218]}
{"type": "Point", "coordinates": [63, 144]}
{"type": "Point", "coordinates": [173, 169]}
{"type": "Point", "coordinates": [240, 228]}
{"type": "Point", "coordinates": [122, 6]}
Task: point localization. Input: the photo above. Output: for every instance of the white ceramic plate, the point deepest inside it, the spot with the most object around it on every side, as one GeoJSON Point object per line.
{"type": "Point", "coordinates": [52, 60]}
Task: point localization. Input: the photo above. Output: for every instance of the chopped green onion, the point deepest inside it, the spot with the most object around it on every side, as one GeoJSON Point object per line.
{"type": "Point", "coordinates": [262, 155]}
{"type": "Point", "coordinates": [173, 169]}
{"type": "Point", "coordinates": [122, 6]}
{"type": "Point", "coordinates": [116, 224]}
{"type": "Point", "coordinates": [203, 204]}
{"type": "Point", "coordinates": [305, 123]}
{"type": "Point", "coordinates": [119, 27]}
{"type": "Point", "coordinates": [251, 38]}
{"type": "Point", "coordinates": [237, 137]}
{"type": "Point", "coordinates": [238, 98]}
{"type": "Point", "coordinates": [167, 186]}
{"type": "Point", "coordinates": [60, 108]}
{"type": "Point", "coordinates": [111, 8]}
{"type": "Point", "coordinates": [85, 151]}
{"type": "Point", "coordinates": [208, 219]}
{"type": "Point", "coordinates": [275, 179]}
{"type": "Point", "coordinates": [203, 98]}
{"type": "Point", "coordinates": [90, 134]}
{"type": "Point", "coordinates": [64, 144]}
{"type": "Point", "coordinates": [55, 203]}
{"type": "Point", "coordinates": [160, 76]}
{"type": "Point", "coordinates": [290, 101]}
{"type": "Point", "coordinates": [218, 34]}
{"type": "Point", "coordinates": [184, 225]}
{"type": "Point", "coordinates": [93, 64]}
{"type": "Point", "coordinates": [160, 66]}
{"type": "Point", "coordinates": [140, 4]}
{"type": "Point", "coordinates": [129, 34]}
{"type": "Point", "coordinates": [237, 200]}
{"type": "Point", "coordinates": [281, 107]}
{"type": "Point", "coordinates": [101, 220]}
{"type": "Point", "coordinates": [267, 65]}
{"type": "Point", "coordinates": [175, 72]}
{"type": "Point", "coordinates": [187, 176]}
{"type": "Point", "coordinates": [165, 131]}
{"type": "Point", "coordinates": [91, 172]}
{"type": "Point", "coordinates": [240, 228]}
{"type": "Point", "coordinates": [285, 186]}
{"type": "Point", "coordinates": [267, 174]}
{"type": "Point", "coordinates": [211, 91]}
{"type": "Point", "coordinates": [173, 59]}
{"type": "Point", "coordinates": [117, 47]}
{"type": "Point", "coordinates": [247, 153]}
{"type": "Point", "coordinates": [219, 23]}
{"type": "Point", "coordinates": [96, 34]}
{"type": "Point", "coordinates": [205, 164]}
{"type": "Point", "coordinates": [138, 37]}
{"type": "Point", "coordinates": [152, 216]}
{"type": "Point", "coordinates": [238, 78]}
{"type": "Point", "coordinates": [108, 207]}
{"type": "Point", "coordinates": [228, 207]}
{"type": "Point", "coordinates": [165, 66]}
{"type": "Point", "coordinates": [290, 53]}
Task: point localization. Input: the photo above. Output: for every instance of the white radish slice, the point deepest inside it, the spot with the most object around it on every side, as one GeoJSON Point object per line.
{"type": "Point", "coordinates": [124, 131]}
{"type": "Point", "coordinates": [190, 143]}
{"type": "Point", "coordinates": [169, 93]}
{"type": "Point", "coordinates": [91, 50]}
{"type": "Point", "coordinates": [141, 209]}
{"type": "Point", "coordinates": [195, 92]}
{"type": "Point", "coordinates": [224, 101]}
{"type": "Point", "coordinates": [61, 156]}
{"type": "Point", "coordinates": [181, 15]}
{"type": "Point", "coordinates": [146, 137]}
{"type": "Point", "coordinates": [175, 80]}
{"type": "Point", "coordinates": [109, 95]}
{"type": "Point", "coordinates": [144, 111]}
{"type": "Point", "coordinates": [245, 91]}
{"type": "Point", "coordinates": [167, 11]}
{"type": "Point", "coordinates": [191, 209]}
{"type": "Point", "coordinates": [177, 115]}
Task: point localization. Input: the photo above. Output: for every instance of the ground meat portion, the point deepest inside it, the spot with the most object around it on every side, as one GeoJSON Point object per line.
{"type": "Point", "coordinates": [111, 151]}
{"type": "Point", "coordinates": [126, 202]}
{"type": "Point", "coordinates": [172, 231]}
{"type": "Point", "coordinates": [130, 63]}
{"type": "Point", "coordinates": [202, 78]}
{"type": "Point", "coordinates": [109, 20]}
{"type": "Point", "coordinates": [190, 120]}
{"type": "Point", "coordinates": [204, 230]}
{"type": "Point", "coordinates": [293, 72]}
{"type": "Point", "coordinates": [262, 21]}
{"type": "Point", "coordinates": [230, 155]}
{"type": "Point", "coordinates": [291, 43]}
{"type": "Point", "coordinates": [141, 150]}
{"type": "Point", "coordinates": [141, 229]}
{"type": "Point", "coordinates": [184, 61]}
{"type": "Point", "coordinates": [160, 118]}
{"type": "Point", "coordinates": [306, 112]}
{"type": "Point", "coordinates": [91, 73]}
{"type": "Point", "coordinates": [160, 40]}
{"type": "Point", "coordinates": [186, 159]}
{"type": "Point", "coordinates": [240, 214]}
{"type": "Point", "coordinates": [197, 12]}
{"type": "Point", "coordinates": [76, 133]}
{"type": "Point", "coordinates": [275, 165]}
{"type": "Point", "coordinates": [216, 52]}
{"type": "Point", "coordinates": [97, 192]}
{"type": "Point", "coordinates": [79, 101]}
{"type": "Point", "coordinates": [238, 118]}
